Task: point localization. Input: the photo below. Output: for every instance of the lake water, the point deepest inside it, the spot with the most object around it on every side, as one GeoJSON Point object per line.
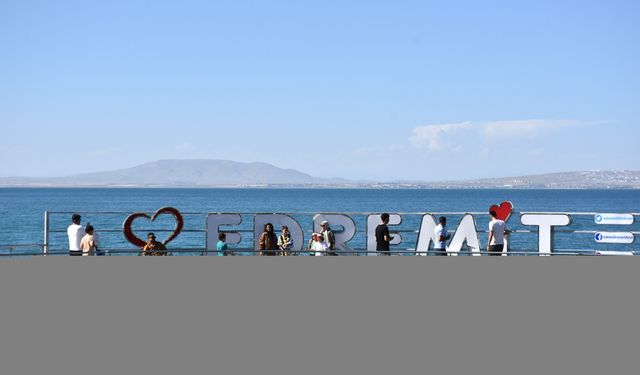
{"type": "Point", "coordinates": [22, 212]}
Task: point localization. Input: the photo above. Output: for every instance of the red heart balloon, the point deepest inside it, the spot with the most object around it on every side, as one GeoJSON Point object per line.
{"type": "Point", "coordinates": [503, 211]}
{"type": "Point", "coordinates": [131, 237]}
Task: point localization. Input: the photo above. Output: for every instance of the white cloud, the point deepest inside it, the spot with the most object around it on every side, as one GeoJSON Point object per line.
{"type": "Point", "coordinates": [453, 137]}
{"type": "Point", "coordinates": [437, 137]}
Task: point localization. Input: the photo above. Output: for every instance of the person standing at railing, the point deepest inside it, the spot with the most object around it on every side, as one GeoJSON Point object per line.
{"type": "Point", "coordinates": [89, 244]}
{"type": "Point", "coordinates": [75, 232]}
{"type": "Point", "coordinates": [497, 231]}
{"type": "Point", "coordinates": [383, 238]}
{"type": "Point", "coordinates": [285, 243]}
{"type": "Point", "coordinates": [268, 243]}
{"type": "Point", "coordinates": [153, 247]}
{"type": "Point", "coordinates": [223, 248]}
{"type": "Point", "coordinates": [441, 235]}
{"type": "Point", "coordinates": [312, 241]}
{"type": "Point", "coordinates": [320, 247]}
{"type": "Point", "coordinates": [329, 237]}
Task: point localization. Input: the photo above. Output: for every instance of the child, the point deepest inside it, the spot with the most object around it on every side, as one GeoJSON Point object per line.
{"type": "Point", "coordinates": [88, 244]}
{"type": "Point", "coordinates": [223, 249]}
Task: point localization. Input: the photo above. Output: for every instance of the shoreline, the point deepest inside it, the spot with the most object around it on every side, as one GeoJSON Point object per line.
{"type": "Point", "coordinates": [319, 187]}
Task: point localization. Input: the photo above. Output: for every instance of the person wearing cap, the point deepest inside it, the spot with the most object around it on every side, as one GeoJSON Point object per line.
{"type": "Point", "coordinates": [320, 247]}
{"type": "Point", "coordinates": [329, 237]}
{"type": "Point", "coordinates": [312, 241]}
{"type": "Point", "coordinates": [75, 232]}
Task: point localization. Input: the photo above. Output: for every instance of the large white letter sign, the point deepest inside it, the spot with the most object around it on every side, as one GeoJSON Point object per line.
{"type": "Point", "coordinates": [426, 235]}
{"type": "Point", "coordinates": [372, 222]}
{"type": "Point", "coordinates": [343, 227]}
{"type": "Point", "coordinates": [466, 232]}
{"type": "Point", "coordinates": [214, 221]}
{"type": "Point", "coordinates": [278, 220]}
{"type": "Point", "coordinates": [546, 222]}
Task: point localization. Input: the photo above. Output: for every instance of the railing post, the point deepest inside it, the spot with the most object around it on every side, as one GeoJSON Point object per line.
{"type": "Point", "coordinates": [45, 246]}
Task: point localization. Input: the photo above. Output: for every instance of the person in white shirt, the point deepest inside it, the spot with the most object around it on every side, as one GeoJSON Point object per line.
{"type": "Point", "coordinates": [497, 231]}
{"type": "Point", "coordinates": [441, 236]}
{"type": "Point", "coordinates": [75, 231]}
{"type": "Point", "coordinates": [312, 242]}
{"type": "Point", "coordinates": [320, 246]}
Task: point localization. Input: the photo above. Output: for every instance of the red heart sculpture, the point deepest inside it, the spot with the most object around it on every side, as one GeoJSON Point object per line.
{"type": "Point", "coordinates": [128, 232]}
{"type": "Point", "coordinates": [503, 211]}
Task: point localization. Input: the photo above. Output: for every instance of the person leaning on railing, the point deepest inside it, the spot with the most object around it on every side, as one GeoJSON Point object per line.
{"type": "Point", "coordinates": [153, 247]}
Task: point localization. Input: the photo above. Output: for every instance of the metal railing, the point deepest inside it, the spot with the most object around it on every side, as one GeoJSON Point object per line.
{"type": "Point", "coordinates": [307, 253]}
{"type": "Point", "coordinates": [52, 228]}
{"type": "Point", "coordinates": [21, 250]}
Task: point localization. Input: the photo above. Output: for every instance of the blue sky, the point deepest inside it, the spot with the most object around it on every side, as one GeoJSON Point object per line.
{"type": "Point", "coordinates": [386, 90]}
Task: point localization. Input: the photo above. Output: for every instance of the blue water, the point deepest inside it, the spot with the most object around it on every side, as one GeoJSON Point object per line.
{"type": "Point", "coordinates": [22, 211]}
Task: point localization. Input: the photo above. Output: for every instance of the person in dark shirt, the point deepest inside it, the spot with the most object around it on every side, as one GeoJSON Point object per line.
{"type": "Point", "coordinates": [153, 247]}
{"type": "Point", "coordinates": [383, 239]}
{"type": "Point", "coordinates": [441, 236]}
{"type": "Point", "coordinates": [268, 243]}
{"type": "Point", "coordinates": [329, 237]}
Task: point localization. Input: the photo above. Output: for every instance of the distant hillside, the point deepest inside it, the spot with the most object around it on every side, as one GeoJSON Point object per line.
{"type": "Point", "coordinates": [566, 180]}
{"type": "Point", "coordinates": [194, 173]}
{"type": "Point", "coordinates": [223, 173]}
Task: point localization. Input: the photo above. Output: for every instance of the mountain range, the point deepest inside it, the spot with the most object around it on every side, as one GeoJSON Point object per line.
{"type": "Point", "coordinates": [224, 173]}
{"type": "Point", "coordinates": [179, 173]}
